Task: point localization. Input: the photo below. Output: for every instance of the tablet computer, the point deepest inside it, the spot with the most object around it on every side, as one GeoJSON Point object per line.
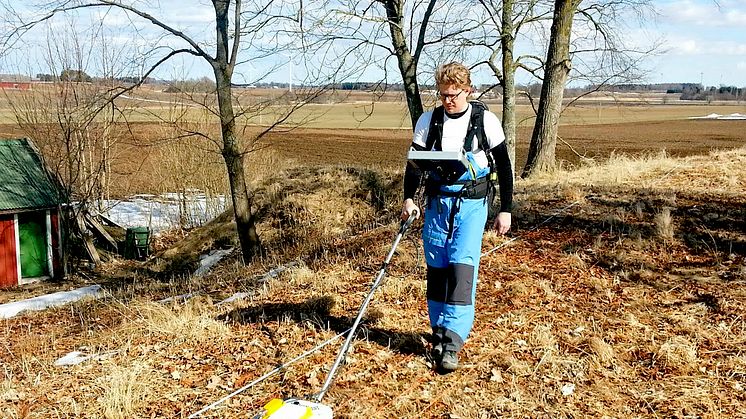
{"type": "Point", "coordinates": [429, 160]}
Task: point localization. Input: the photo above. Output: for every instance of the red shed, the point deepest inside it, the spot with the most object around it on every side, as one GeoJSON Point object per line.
{"type": "Point", "coordinates": [17, 85]}
{"type": "Point", "coordinates": [30, 236]}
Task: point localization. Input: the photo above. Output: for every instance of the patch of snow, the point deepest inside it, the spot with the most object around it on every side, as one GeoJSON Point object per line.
{"type": "Point", "coordinates": [733, 116]}
{"type": "Point", "coordinates": [277, 271]}
{"type": "Point", "coordinates": [208, 261]}
{"type": "Point", "coordinates": [77, 357]}
{"type": "Point", "coordinates": [568, 389]}
{"type": "Point", "coordinates": [50, 300]}
{"type": "Point", "coordinates": [235, 297]}
{"type": "Point", "coordinates": [180, 298]}
{"type": "Point", "coordinates": [73, 358]}
{"type": "Point", "coordinates": [266, 277]}
{"type": "Point", "coordinates": [710, 116]}
{"type": "Point", "coordinates": [166, 211]}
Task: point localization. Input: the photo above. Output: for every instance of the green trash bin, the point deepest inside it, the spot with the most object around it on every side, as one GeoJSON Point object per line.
{"type": "Point", "coordinates": [137, 243]}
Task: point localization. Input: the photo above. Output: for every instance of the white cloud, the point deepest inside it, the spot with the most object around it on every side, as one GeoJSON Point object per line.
{"type": "Point", "coordinates": [688, 46]}
{"type": "Point", "coordinates": [741, 65]}
{"type": "Point", "coordinates": [683, 47]}
{"type": "Point", "coordinates": [704, 13]}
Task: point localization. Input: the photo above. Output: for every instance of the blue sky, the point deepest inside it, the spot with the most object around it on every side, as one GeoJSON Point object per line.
{"type": "Point", "coordinates": [701, 40]}
{"type": "Point", "coordinates": [705, 40]}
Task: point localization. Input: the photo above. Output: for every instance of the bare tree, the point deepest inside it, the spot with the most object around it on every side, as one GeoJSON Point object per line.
{"type": "Point", "coordinates": [541, 155]}
{"type": "Point", "coordinates": [506, 21]}
{"type": "Point", "coordinates": [373, 33]}
{"type": "Point", "coordinates": [597, 47]}
{"type": "Point", "coordinates": [406, 60]}
{"type": "Point", "coordinates": [612, 62]}
{"type": "Point", "coordinates": [72, 119]}
{"type": "Point", "coordinates": [239, 27]}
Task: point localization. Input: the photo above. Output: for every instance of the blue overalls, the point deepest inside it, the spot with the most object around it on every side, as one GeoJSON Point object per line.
{"type": "Point", "coordinates": [452, 237]}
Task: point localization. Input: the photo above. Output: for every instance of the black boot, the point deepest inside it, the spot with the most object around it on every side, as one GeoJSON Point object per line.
{"type": "Point", "coordinates": [449, 361]}
{"type": "Point", "coordinates": [437, 340]}
{"type": "Point", "coordinates": [436, 353]}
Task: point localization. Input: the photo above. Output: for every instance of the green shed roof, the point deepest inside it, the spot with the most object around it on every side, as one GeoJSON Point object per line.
{"type": "Point", "coordinates": [24, 181]}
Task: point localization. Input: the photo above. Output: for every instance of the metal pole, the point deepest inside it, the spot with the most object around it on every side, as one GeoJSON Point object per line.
{"type": "Point", "coordinates": [379, 279]}
{"type": "Point", "coordinates": [265, 376]}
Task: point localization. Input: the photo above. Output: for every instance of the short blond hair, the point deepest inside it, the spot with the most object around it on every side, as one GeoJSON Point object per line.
{"type": "Point", "coordinates": [453, 73]}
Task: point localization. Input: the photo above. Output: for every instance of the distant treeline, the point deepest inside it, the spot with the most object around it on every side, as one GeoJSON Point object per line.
{"type": "Point", "coordinates": [687, 91]}
{"type": "Point", "coordinates": [82, 76]}
{"type": "Point", "coordinates": [698, 92]}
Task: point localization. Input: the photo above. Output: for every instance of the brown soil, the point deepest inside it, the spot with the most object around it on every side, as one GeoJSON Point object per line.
{"type": "Point", "coordinates": [138, 166]}
{"type": "Point", "coordinates": [387, 148]}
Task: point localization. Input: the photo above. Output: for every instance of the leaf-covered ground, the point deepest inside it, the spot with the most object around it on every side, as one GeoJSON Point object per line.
{"type": "Point", "coordinates": [613, 296]}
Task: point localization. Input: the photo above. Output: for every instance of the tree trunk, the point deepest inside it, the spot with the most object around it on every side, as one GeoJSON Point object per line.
{"type": "Point", "coordinates": [541, 153]}
{"type": "Point", "coordinates": [407, 63]}
{"type": "Point", "coordinates": [232, 151]}
{"type": "Point", "coordinates": [508, 85]}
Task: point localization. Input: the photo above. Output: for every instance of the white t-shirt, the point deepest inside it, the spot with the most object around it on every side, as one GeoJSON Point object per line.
{"type": "Point", "coordinates": [454, 132]}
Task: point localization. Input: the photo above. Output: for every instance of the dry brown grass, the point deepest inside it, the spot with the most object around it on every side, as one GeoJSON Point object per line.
{"type": "Point", "coordinates": [678, 354]}
{"type": "Point", "coordinates": [718, 172]}
{"type": "Point", "coordinates": [192, 322]}
{"type": "Point", "coordinates": [122, 393]}
{"type": "Point", "coordinates": [664, 225]}
{"type": "Point", "coordinates": [587, 315]}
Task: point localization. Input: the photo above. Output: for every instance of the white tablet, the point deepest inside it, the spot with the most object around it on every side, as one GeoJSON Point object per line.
{"type": "Point", "coordinates": [430, 158]}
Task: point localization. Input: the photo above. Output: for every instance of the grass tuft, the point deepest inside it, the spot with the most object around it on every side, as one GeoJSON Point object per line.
{"type": "Point", "coordinates": [664, 225]}
{"type": "Point", "coordinates": [123, 390]}
{"type": "Point", "coordinates": [603, 352]}
{"type": "Point", "coordinates": [192, 322]}
{"type": "Point", "coordinates": [678, 354]}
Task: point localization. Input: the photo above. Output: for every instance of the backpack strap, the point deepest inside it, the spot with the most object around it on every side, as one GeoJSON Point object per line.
{"type": "Point", "coordinates": [476, 124]}
{"type": "Point", "coordinates": [476, 131]}
{"type": "Point", "coordinates": [435, 132]}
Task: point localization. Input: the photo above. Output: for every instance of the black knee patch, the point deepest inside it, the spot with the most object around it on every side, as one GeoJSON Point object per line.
{"type": "Point", "coordinates": [464, 281]}
{"type": "Point", "coordinates": [437, 279]}
{"type": "Point", "coordinates": [451, 285]}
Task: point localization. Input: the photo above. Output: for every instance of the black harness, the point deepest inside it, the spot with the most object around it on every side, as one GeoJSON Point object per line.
{"type": "Point", "coordinates": [475, 140]}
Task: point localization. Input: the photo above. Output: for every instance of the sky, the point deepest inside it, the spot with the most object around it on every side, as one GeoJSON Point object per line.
{"type": "Point", "coordinates": [700, 41]}
{"type": "Point", "coordinates": [704, 41]}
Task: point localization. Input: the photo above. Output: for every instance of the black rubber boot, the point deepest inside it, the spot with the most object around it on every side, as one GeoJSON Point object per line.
{"type": "Point", "coordinates": [449, 361]}
{"type": "Point", "coordinates": [436, 353]}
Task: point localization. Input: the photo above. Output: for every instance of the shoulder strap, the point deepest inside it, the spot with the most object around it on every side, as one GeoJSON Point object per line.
{"type": "Point", "coordinates": [476, 130]}
{"type": "Point", "coordinates": [435, 132]}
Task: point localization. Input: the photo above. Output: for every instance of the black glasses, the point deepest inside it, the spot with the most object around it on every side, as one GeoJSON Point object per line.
{"type": "Point", "coordinates": [450, 98]}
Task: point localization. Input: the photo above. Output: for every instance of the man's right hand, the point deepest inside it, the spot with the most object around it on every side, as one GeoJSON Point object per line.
{"type": "Point", "coordinates": [408, 208]}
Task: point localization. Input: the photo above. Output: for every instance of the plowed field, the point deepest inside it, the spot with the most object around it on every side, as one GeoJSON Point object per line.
{"type": "Point", "coordinates": [388, 147]}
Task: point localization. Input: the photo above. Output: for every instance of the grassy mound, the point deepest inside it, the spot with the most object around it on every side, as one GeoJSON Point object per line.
{"type": "Point", "coordinates": [299, 212]}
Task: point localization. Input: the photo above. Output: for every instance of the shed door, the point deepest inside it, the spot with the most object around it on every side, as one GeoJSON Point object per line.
{"type": "Point", "coordinates": [32, 236]}
{"type": "Point", "coordinates": [8, 260]}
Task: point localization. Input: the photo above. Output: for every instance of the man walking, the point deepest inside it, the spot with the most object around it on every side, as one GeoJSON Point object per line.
{"type": "Point", "coordinates": [457, 206]}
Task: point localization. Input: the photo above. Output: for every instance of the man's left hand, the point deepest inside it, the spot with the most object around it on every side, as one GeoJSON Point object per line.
{"type": "Point", "coordinates": [502, 222]}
